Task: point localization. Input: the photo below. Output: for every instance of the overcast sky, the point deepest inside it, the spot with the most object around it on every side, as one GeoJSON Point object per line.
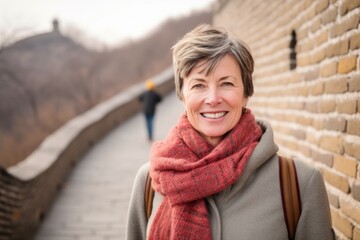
{"type": "Point", "coordinates": [108, 21]}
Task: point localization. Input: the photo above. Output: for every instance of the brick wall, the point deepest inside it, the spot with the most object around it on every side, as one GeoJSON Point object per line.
{"type": "Point", "coordinates": [314, 108]}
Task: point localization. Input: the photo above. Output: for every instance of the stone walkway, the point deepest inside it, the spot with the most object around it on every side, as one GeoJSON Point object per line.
{"type": "Point", "coordinates": [94, 201]}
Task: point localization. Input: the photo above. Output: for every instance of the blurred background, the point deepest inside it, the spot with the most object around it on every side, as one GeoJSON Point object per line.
{"type": "Point", "coordinates": [59, 58]}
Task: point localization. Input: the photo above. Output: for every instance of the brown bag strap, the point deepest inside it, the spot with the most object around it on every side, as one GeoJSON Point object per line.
{"type": "Point", "coordinates": [148, 197]}
{"type": "Point", "coordinates": [290, 194]}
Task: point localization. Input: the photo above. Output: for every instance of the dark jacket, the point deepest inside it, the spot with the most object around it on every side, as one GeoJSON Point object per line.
{"type": "Point", "coordinates": [150, 99]}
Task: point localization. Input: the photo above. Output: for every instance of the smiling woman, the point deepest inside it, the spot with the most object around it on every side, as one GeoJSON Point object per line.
{"type": "Point", "coordinates": [216, 175]}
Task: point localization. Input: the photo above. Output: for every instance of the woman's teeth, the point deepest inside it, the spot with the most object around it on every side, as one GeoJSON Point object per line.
{"type": "Point", "coordinates": [213, 115]}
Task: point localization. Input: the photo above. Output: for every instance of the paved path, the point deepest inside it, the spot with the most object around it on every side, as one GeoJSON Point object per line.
{"type": "Point", "coordinates": [93, 204]}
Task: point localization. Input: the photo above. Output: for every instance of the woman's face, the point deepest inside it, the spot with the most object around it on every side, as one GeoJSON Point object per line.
{"type": "Point", "coordinates": [214, 102]}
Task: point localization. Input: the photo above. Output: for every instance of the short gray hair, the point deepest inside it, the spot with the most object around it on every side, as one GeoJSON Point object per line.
{"type": "Point", "coordinates": [210, 44]}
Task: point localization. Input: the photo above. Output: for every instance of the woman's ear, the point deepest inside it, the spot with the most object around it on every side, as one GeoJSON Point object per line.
{"type": "Point", "coordinates": [245, 101]}
{"type": "Point", "coordinates": [183, 102]}
{"type": "Point", "coordinates": [181, 96]}
{"type": "Point", "coordinates": [182, 99]}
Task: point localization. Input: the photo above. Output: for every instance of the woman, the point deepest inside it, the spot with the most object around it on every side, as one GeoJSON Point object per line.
{"type": "Point", "coordinates": [216, 175]}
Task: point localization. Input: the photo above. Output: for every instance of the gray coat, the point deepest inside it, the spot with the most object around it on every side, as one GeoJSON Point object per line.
{"type": "Point", "coordinates": [251, 208]}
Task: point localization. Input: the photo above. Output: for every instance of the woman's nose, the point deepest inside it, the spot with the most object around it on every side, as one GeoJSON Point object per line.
{"type": "Point", "coordinates": [213, 97]}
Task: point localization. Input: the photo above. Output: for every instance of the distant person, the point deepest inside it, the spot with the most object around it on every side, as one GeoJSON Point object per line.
{"type": "Point", "coordinates": [150, 99]}
{"type": "Point", "coordinates": [216, 174]}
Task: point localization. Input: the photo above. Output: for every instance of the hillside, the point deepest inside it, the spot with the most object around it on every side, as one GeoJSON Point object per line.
{"type": "Point", "coordinates": [47, 79]}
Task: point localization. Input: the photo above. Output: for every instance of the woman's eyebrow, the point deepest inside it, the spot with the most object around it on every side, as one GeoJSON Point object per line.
{"type": "Point", "coordinates": [197, 79]}
{"type": "Point", "coordinates": [227, 77]}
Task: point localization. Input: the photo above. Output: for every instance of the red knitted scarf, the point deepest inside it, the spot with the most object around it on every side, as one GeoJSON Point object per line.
{"type": "Point", "coordinates": [186, 169]}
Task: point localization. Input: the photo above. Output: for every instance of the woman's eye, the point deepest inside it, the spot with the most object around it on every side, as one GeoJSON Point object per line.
{"type": "Point", "coordinates": [227, 84]}
{"type": "Point", "coordinates": [197, 86]}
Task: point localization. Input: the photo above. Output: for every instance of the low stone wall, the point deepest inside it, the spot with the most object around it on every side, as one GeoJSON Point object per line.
{"type": "Point", "coordinates": [28, 188]}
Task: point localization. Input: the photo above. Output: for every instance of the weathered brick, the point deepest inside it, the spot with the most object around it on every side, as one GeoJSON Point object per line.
{"type": "Point", "coordinates": [322, 157]}
{"type": "Point", "coordinates": [328, 69]}
{"type": "Point", "coordinates": [306, 4]}
{"type": "Point", "coordinates": [328, 16]}
{"type": "Point", "coordinates": [303, 120]}
{"type": "Point", "coordinates": [347, 64]}
{"type": "Point", "coordinates": [336, 30]}
{"type": "Point", "coordinates": [303, 60]}
{"type": "Point", "coordinates": [305, 150]}
{"type": "Point", "coordinates": [322, 5]}
{"type": "Point", "coordinates": [356, 233]}
{"type": "Point", "coordinates": [345, 165]}
{"type": "Point", "coordinates": [333, 199]}
{"type": "Point", "coordinates": [315, 25]}
{"type": "Point", "coordinates": [352, 148]}
{"type": "Point", "coordinates": [316, 89]}
{"type": "Point", "coordinates": [341, 223]}
{"type": "Point", "coordinates": [327, 106]}
{"type": "Point", "coordinates": [311, 106]}
{"type": "Point", "coordinates": [290, 92]}
{"type": "Point", "coordinates": [302, 91]}
{"type": "Point", "coordinates": [330, 50]}
{"type": "Point", "coordinates": [355, 41]}
{"type": "Point", "coordinates": [341, 47]}
{"type": "Point", "coordinates": [302, 33]}
{"type": "Point", "coordinates": [337, 181]}
{"type": "Point", "coordinates": [338, 48]}
{"type": "Point", "coordinates": [312, 74]}
{"type": "Point", "coordinates": [350, 209]}
{"type": "Point", "coordinates": [284, 129]}
{"type": "Point", "coordinates": [280, 105]}
{"type": "Point", "coordinates": [279, 117]}
{"type": "Point", "coordinates": [318, 124]}
{"type": "Point", "coordinates": [352, 22]}
{"type": "Point", "coordinates": [332, 143]}
{"type": "Point", "coordinates": [355, 190]}
{"type": "Point", "coordinates": [335, 123]}
{"type": "Point", "coordinates": [319, 55]}
{"type": "Point", "coordinates": [353, 126]}
{"type": "Point", "coordinates": [336, 86]}
{"type": "Point", "coordinates": [306, 46]}
{"type": "Point", "coordinates": [344, 26]}
{"type": "Point", "coordinates": [295, 105]}
{"type": "Point", "coordinates": [280, 141]}
{"type": "Point", "coordinates": [348, 5]}
{"type": "Point", "coordinates": [354, 84]}
{"type": "Point", "coordinates": [346, 106]}
{"type": "Point", "coordinates": [291, 145]}
{"type": "Point", "coordinates": [286, 116]}
{"type": "Point", "coordinates": [294, 78]}
{"type": "Point", "coordinates": [299, 133]}
{"type": "Point", "coordinates": [311, 13]}
{"type": "Point", "coordinates": [312, 137]}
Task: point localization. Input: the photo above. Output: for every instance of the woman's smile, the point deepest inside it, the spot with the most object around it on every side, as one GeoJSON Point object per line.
{"type": "Point", "coordinates": [215, 115]}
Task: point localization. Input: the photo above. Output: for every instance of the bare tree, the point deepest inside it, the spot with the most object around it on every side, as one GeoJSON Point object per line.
{"type": "Point", "coordinates": [83, 38]}
{"type": "Point", "coordinates": [11, 78]}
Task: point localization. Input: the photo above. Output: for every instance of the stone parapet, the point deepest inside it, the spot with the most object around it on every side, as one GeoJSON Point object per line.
{"type": "Point", "coordinates": [28, 188]}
